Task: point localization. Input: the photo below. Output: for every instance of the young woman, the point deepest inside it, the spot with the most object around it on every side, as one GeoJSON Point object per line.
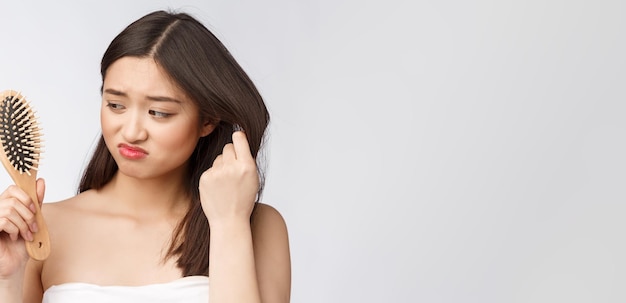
{"type": "Point", "coordinates": [168, 203]}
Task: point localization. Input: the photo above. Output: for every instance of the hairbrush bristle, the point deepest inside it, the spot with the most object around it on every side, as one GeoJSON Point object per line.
{"type": "Point", "coordinates": [20, 133]}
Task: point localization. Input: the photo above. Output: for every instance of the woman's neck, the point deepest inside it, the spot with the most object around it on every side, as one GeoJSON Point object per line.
{"type": "Point", "coordinates": [146, 197]}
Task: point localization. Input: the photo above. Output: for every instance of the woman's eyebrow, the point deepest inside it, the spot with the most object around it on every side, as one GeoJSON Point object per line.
{"type": "Point", "coordinates": [115, 92]}
{"type": "Point", "coordinates": [151, 98]}
{"type": "Point", "coordinates": [163, 99]}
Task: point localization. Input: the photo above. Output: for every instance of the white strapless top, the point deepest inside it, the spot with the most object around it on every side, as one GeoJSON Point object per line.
{"type": "Point", "coordinates": [190, 289]}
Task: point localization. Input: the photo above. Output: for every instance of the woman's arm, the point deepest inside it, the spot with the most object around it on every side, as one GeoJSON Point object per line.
{"type": "Point", "coordinates": [248, 259]}
{"type": "Point", "coordinates": [11, 290]}
{"type": "Point", "coordinates": [251, 264]}
{"type": "Point", "coordinates": [19, 275]}
{"type": "Point", "coordinates": [232, 269]}
{"type": "Point", "coordinates": [33, 287]}
{"type": "Point", "coordinates": [25, 286]}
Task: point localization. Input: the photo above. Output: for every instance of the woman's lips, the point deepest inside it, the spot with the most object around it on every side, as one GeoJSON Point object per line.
{"type": "Point", "coordinates": [132, 152]}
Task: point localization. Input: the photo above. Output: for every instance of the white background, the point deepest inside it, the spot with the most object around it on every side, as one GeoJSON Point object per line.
{"type": "Point", "coordinates": [420, 151]}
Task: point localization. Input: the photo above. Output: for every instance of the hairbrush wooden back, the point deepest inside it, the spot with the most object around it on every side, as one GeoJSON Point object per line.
{"type": "Point", "coordinates": [20, 139]}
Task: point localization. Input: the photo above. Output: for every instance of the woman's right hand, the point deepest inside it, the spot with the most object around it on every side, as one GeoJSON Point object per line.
{"type": "Point", "coordinates": [17, 224]}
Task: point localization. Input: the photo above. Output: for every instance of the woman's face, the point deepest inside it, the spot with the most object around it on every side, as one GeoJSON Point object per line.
{"type": "Point", "coordinates": [149, 125]}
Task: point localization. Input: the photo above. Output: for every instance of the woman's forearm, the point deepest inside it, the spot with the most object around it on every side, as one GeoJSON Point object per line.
{"type": "Point", "coordinates": [11, 290]}
{"type": "Point", "coordinates": [232, 270]}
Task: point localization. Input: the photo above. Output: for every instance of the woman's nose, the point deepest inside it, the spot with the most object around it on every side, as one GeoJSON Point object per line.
{"type": "Point", "coordinates": [134, 129]}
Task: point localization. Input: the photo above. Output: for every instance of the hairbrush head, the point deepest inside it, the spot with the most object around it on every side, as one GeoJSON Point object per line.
{"type": "Point", "coordinates": [19, 132]}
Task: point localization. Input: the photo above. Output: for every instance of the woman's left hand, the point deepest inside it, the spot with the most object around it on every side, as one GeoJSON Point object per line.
{"type": "Point", "coordinates": [228, 189]}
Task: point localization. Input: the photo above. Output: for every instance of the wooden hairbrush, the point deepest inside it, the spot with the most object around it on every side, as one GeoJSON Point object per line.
{"type": "Point", "coordinates": [20, 139]}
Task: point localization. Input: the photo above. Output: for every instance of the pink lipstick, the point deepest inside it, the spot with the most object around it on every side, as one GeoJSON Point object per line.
{"type": "Point", "coordinates": [132, 152]}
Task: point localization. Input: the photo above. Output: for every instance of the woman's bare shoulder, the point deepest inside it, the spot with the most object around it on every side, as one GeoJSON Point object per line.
{"type": "Point", "coordinates": [59, 210]}
{"type": "Point", "coordinates": [265, 215]}
{"type": "Point", "coordinates": [271, 253]}
{"type": "Point", "coordinates": [268, 225]}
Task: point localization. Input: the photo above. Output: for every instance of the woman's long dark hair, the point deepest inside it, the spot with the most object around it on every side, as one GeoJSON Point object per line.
{"type": "Point", "coordinates": [205, 70]}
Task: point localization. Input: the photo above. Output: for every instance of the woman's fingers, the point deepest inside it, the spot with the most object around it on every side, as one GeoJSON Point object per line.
{"type": "Point", "coordinates": [41, 190]}
{"type": "Point", "coordinates": [239, 149]}
{"type": "Point", "coordinates": [218, 161]}
{"type": "Point", "coordinates": [13, 220]}
{"type": "Point", "coordinates": [241, 146]}
{"type": "Point", "coordinates": [15, 197]}
{"type": "Point", "coordinates": [7, 226]}
{"type": "Point", "coordinates": [17, 212]}
{"type": "Point", "coordinates": [18, 193]}
{"type": "Point", "coordinates": [229, 152]}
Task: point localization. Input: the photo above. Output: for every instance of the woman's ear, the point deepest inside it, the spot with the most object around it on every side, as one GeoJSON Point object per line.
{"type": "Point", "coordinates": [207, 128]}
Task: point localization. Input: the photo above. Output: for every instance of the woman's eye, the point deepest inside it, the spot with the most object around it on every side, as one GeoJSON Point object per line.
{"type": "Point", "coordinates": [158, 114]}
{"type": "Point", "coordinates": [115, 106]}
